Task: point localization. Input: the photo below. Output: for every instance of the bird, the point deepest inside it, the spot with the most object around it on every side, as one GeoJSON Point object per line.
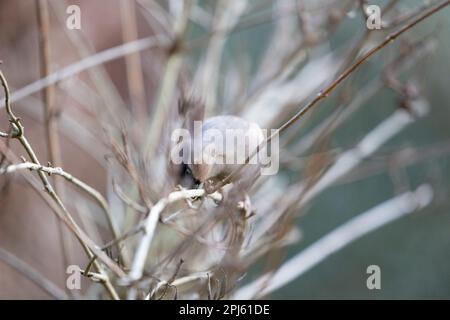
{"type": "Point", "coordinates": [219, 148]}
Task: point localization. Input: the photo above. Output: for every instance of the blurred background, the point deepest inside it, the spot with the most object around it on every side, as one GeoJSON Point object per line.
{"type": "Point", "coordinates": [262, 60]}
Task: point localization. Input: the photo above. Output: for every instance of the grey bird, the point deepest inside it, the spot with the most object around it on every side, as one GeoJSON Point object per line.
{"type": "Point", "coordinates": [226, 142]}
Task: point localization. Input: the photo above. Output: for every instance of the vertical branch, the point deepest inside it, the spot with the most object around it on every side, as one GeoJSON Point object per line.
{"type": "Point", "coordinates": [50, 121]}
{"type": "Point", "coordinates": [168, 82]}
{"type": "Point", "coordinates": [133, 61]}
{"type": "Point", "coordinates": [51, 124]}
{"type": "Point", "coordinates": [226, 17]}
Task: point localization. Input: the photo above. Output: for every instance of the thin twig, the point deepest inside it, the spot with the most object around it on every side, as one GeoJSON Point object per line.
{"type": "Point", "coordinates": [179, 282]}
{"type": "Point", "coordinates": [127, 200]}
{"type": "Point", "coordinates": [135, 230]}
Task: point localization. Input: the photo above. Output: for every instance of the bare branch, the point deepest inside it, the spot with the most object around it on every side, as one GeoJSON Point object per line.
{"type": "Point", "coordinates": [51, 123]}
{"type": "Point", "coordinates": [70, 178]}
{"type": "Point", "coordinates": [87, 63]}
